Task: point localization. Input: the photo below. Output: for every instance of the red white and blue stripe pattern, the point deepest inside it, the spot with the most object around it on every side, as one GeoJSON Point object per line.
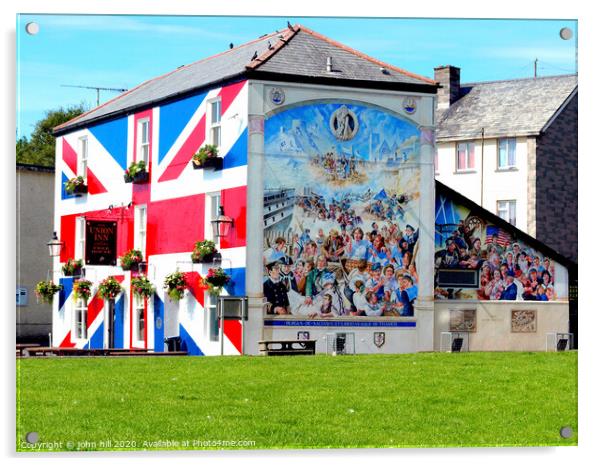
{"type": "Point", "coordinates": [176, 200]}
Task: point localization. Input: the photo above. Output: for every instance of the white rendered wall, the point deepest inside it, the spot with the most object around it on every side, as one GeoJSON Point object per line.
{"type": "Point", "coordinates": [497, 184]}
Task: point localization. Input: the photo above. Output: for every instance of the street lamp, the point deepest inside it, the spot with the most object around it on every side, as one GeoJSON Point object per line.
{"type": "Point", "coordinates": [221, 225]}
{"type": "Point", "coordinates": [55, 246]}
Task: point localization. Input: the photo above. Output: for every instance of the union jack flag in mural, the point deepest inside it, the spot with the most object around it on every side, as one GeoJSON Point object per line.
{"type": "Point", "coordinates": [163, 217]}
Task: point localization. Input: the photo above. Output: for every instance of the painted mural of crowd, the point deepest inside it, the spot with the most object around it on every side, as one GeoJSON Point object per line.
{"type": "Point", "coordinates": [347, 272]}
{"type": "Point", "coordinates": [508, 270]}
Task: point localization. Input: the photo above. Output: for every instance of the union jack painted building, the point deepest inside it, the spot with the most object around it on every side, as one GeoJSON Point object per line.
{"type": "Point", "coordinates": [231, 100]}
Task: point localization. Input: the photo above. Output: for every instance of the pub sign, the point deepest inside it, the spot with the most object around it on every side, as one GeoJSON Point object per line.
{"type": "Point", "coordinates": [101, 243]}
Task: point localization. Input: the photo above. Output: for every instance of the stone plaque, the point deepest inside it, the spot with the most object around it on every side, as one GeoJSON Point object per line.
{"type": "Point", "coordinates": [524, 321]}
{"type": "Point", "coordinates": [463, 320]}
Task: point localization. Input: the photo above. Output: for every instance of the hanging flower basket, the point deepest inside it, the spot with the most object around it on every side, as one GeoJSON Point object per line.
{"type": "Point", "coordinates": [131, 259]}
{"type": "Point", "coordinates": [109, 288]}
{"type": "Point", "coordinates": [142, 286]}
{"type": "Point", "coordinates": [136, 173]}
{"type": "Point", "coordinates": [76, 185]}
{"type": "Point", "coordinates": [175, 285]}
{"type": "Point", "coordinates": [45, 290]}
{"type": "Point", "coordinates": [207, 158]}
{"type": "Point", "coordinates": [215, 280]}
{"type": "Point", "coordinates": [72, 268]}
{"type": "Point", "coordinates": [204, 252]}
{"type": "Point", "coordinates": [82, 289]}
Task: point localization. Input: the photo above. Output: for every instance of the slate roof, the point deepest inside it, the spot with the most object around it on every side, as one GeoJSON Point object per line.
{"type": "Point", "coordinates": [295, 53]}
{"type": "Point", "coordinates": [519, 107]}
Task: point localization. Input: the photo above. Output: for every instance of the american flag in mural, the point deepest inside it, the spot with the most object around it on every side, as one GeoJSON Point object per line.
{"type": "Point", "coordinates": [503, 238]}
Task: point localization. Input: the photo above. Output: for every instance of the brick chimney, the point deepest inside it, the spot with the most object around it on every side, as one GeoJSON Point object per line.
{"type": "Point", "coordinates": [449, 78]}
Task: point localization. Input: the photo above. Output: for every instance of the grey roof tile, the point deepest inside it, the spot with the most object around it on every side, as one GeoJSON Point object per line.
{"type": "Point", "coordinates": [504, 108]}
{"type": "Point", "coordinates": [294, 51]}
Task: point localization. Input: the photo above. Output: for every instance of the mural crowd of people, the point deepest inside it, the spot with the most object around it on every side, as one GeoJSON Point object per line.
{"type": "Point", "coordinates": [508, 270]}
{"type": "Point", "coordinates": [349, 271]}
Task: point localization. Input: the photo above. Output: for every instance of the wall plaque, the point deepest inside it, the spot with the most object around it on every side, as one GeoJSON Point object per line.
{"type": "Point", "coordinates": [524, 321]}
{"type": "Point", "coordinates": [101, 243]}
{"type": "Point", "coordinates": [463, 320]}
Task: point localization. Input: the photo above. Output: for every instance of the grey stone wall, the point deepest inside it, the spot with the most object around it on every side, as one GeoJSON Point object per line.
{"type": "Point", "coordinates": [556, 183]}
{"type": "Point", "coordinates": [35, 206]}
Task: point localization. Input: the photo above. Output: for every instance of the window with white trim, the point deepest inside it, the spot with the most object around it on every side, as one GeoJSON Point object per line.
{"type": "Point", "coordinates": [215, 121]}
{"type": "Point", "coordinates": [506, 153]}
{"type": "Point", "coordinates": [465, 156]}
{"type": "Point", "coordinates": [143, 140]}
{"type": "Point", "coordinates": [140, 228]}
{"type": "Point", "coordinates": [139, 319]}
{"type": "Point", "coordinates": [82, 162]}
{"type": "Point", "coordinates": [80, 318]}
{"type": "Point", "coordinates": [507, 210]}
{"type": "Point", "coordinates": [213, 202]}
{"type": "Point", "coordinates": [212, 322]}
{"type": "Point", "coordinates": [80, 237]}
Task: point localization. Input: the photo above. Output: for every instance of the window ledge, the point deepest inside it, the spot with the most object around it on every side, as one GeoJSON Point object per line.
{"type": "Point", "coordinates": [465, 172]}
{"type": "Point", "coordinates": [508, 169]}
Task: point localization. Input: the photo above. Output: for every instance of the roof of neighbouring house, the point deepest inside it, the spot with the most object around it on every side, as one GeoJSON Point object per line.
{"type": "Point", "coordinates": [295, 53]}
{"type": "Point", "coordinates": [518, 107]}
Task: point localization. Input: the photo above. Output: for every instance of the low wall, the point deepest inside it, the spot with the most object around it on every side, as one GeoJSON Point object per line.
{"type": "Point", "coordinates": [494, 330]}
{"type": "Point", "coordinates": [399, 334]}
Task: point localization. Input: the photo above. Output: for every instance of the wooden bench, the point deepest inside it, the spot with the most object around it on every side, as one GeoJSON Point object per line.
{"type": "Point", "coordinates": [287, 347]}
{"type": "Point", "coordinates": [58, 351]}
{"type": "Point", "coordinates": [20, 347]}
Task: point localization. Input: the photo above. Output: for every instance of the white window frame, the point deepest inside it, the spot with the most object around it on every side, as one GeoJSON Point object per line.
{"type": "Point", "coordinates": [214, 125]}
{"type": "Point", "coordinates": [211, 326]}
{"type": "Point", "coordinates": [138, 318]}
{"type": "Point", "coordinates": [80, 238]}
{"type": "Point", "coordinates": [467, 145]}
{"type": "Point", "coordinates": [140, 223]}
{"type": "Point", "coordinates": [506, 144]}
{"type": "Point", "coordinates": [212, 203]}
{"type": "Point", "coordinates": [143, 146]}
{"type": "Point", "coordinates": [82, 161]}
{"type": "Point", "coordinates": [80, 318]}
{"type": "Point", "coordinates": [506, 209]}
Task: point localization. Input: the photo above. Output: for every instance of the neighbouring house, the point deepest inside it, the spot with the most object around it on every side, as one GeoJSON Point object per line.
{"type": "Point", "coordinates": [35, 204]}
{"type": "Point", "coordinates": [527, 131]}
{"type": "Point", "coordinates": [310, 166]}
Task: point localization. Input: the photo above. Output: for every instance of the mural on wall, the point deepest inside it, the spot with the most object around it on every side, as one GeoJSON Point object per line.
{"type": "Point", "coordinates": [341, 188]}
{"type": "Point", "coordinates": [505, 268]}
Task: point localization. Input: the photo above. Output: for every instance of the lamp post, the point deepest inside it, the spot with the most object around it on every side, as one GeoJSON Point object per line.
{"type": "Point", "coordinates": [55, 246]}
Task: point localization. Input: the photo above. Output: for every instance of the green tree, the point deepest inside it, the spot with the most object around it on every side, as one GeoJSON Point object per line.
{"type": "Point", "coordinates": [39, 148]}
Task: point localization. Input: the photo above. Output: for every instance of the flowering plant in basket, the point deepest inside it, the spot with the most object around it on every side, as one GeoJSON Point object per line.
{"type": "Point", "coordinates": [76, 185]}
{"type": "Point", "coordinates": [203, 251]}
{"type": "Point", "coordinates": [82, 289]}
{"type": "Point", "coordinates": [175, 285]}
{"type": "Point", "coordinates": [45, 290]}
{"type": "Point", "coordinates": [109, 288]}
{"type": "Point", "coordinates": [215, 280]}
{"type": "Point", "coordinates": [72, 267]}
{"type": "Point", "coordinates": [131, 259]}
{"type": "Point", "coordinates": [208, 151]}
{"type": "Point", "coordinates": [135, 172]}
{"type": "Point", "coordinates": [142, 286]}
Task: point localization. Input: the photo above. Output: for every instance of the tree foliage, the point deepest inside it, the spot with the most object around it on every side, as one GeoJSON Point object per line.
{"type": "Point", "coordinates": [39, 148]}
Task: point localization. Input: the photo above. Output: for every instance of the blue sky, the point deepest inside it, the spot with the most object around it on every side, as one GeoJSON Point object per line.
{"type": "Point", "coordinates": [122, 51]}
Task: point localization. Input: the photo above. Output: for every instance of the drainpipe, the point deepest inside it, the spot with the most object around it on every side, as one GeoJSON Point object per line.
{"type": "Point", "coordinates": [482, 161]}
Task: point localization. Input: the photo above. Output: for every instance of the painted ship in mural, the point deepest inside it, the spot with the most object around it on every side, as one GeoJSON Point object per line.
{"type": "Point", "coordinates": [278, 207]}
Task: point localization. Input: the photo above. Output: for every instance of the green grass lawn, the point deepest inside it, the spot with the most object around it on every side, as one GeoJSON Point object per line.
{"type": "Point", "coordinates": [411, 400]}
